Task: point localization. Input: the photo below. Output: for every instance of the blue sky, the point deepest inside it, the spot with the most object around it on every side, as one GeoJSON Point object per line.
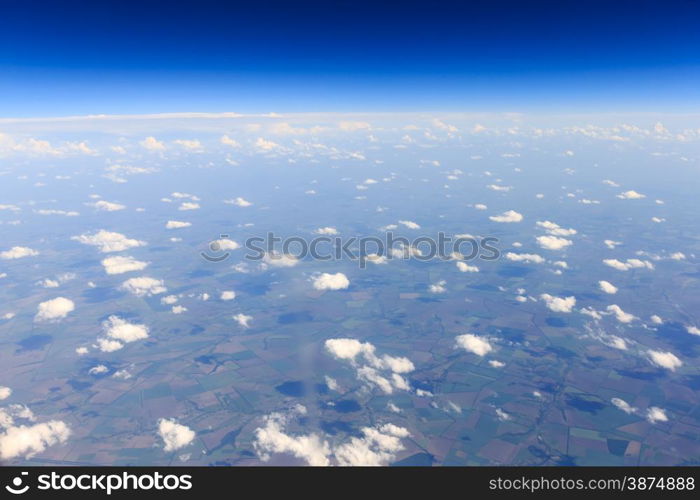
{"type": "Point", "coordinates": [72, 57]}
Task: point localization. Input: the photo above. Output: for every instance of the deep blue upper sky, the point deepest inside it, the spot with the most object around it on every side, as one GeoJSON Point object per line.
{"type": "Point", "coordinates": [74, 57]}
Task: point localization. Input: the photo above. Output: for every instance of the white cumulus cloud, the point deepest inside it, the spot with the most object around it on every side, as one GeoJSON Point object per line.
{"type": "Point", "coordinates": [664, 359]}
{"type": "Point", "coordinates": [144, 286]}
{"type": "Point", "coordinates": [243, 320]}
{"type": "Point", "coordinates": [528, 258]}
{"type": "Point", "coordinates": [553, 242]}
{"type": "Point", "coordinates": [559, 304]}
{"type": "Point", "coordinates": [239, 202]}
{"type": "Point", "coordinates": [620, 315]}
{"type": "Point", "coordinates": [107, 206]}
{"type": "Point", "coordinates": [328, 281]}
{"type": "Point", "coordinates": [176, 224]}
{"type": "Point", "coordinates": [108, 241]}
{"type": "Point", "coordinates": [383, 372]}
{"type": "Point", "coordinates": [628, 264]}
{"type": "Point", "coordinates": [120, 265]}
{"type": "Point", "coordinates": [607, 287]}
{"type": "Point", "coordinates": [375, 446]}
{"type": "Point", "coordinates": [508, 216]}
{"type": "Point", "coordinates": [18, 253]}
{"type": "Point", "coordinates": [54, 309]}
{"type": "Point", "coordinates": [631, 195]}
{"type": "Point", "coordinates": [174, 435]}
{"type": "Point", "coordinates": [473, 343]}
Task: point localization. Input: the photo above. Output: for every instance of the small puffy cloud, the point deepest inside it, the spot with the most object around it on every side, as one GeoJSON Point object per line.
{"type": "Point", "coordinates": [377, 446]}
{"type": "Point", "coordinates": [228, 295]}
{"type": "Point", "coordinates": [620, 315]}
{"type": "Point", "coordinates": [331, 383]}
{"type": "Point", "coordinates": [178, 309]}
{"type": "Point", "coordinates": [152, 144]}
{"type": "Point", "coordinates": [628, 264]}
{"type": "Point", "coordinates": [120, 265]}
{"type": "Point", "coordinates": [589, 311]}
{"type": "Point", "coordinates": [664, 359]}
{"type": "Point", "coordinates": [480, 206]}
{"type": "Point", "coordinates": [555, 229]}
{"type": "Point", "coordinates": [474, 344]}
{"type": "Point", "coordinates": [623, 405]}
{"type": "Point", "coordinates": [243, 319]}
{"type": "Point", "coordinates": [328, 281]}
{"type": "Point", "coordinates": [280, 260]}
{"type": "Point", "coordinates": [5, 392]}
{"type": "Point", "coordinates": [176, 224]}
{"type": "Point", "coordinates": [18, 253]}
{"type": "Point", "coordinates": [224, 244]}
{"type": "Point", "coordinates": [107, 206]}
{"type": "Point", "coordinates": [174, 435]}
{"type": "Point", "coordinates": [144, 286]}
{"type": "Point", "coordinates": [494, 363]}
{"type": "Point", "coordinates": [265, 145]}
{"type": "Point", "coordinates": [227, 141]}
{"type": "Point", "coordinates": [189, 144]}
{"type": "Point", "coordinates": [611, 244]}
{"type": "Point", "coordinates": [559, 304]}
{"type": "Point", "coordinates": [271, 438]}
{"type": "Point", "coordinates": [188, 205]}
{"type": "Point", "coordinates": [328, 231]}
{"type": "Point", "coordinates": [347, 349]}
{"type": "Point", "coordinates": [108, 345]}
{"type": "Point", "coordinates": [507, 217]}
{"type": "Point", "coordinates": [168, 300]}
{"type": "Point", "coordinates": [28, 440]}
{"type": "Point", "coordinates": [466, 268]}
{"type": "Point", "coordinates": [656, 414]}
{"type": "Point", "coordinates": [616, 342]}
{"type": "Point", "coordinates": [67, 213]}
{"type": "Point", "coordinates": [178, 194]}
{"type": "Point", "coordinates": [239, 202]}
{"type": "Point", "coordinates": [607, 287]}
{"type": "Point", "coordinates": [119, 329]}
{"type": "Point", "coordinates": [438, 287]}
{"type": "Point", "coordinates": [502, 415]}
{"type": "Point", "coordinates": [553, 242]}
{"type": "Point", "coordinates": [54, 309]}
{"type": "Point", "coordinates": [631, 195]}
{"type": "Point", "coordinates": [656, 319]}
{"type": "Point", "coordinates": [528, 258]}
{"type": "Point", "coordinates": [122, 375]}
{"type": "Point", "coordinates": [693, 330]}
{"type": "Point", "coordinates": [98, 370]}
{"type": "Point", "coordinates": [383, 372]}
{"type": "Point", "coordinates": [409, 224]}
{"type": "Point", "coordinates": [108, 241]}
